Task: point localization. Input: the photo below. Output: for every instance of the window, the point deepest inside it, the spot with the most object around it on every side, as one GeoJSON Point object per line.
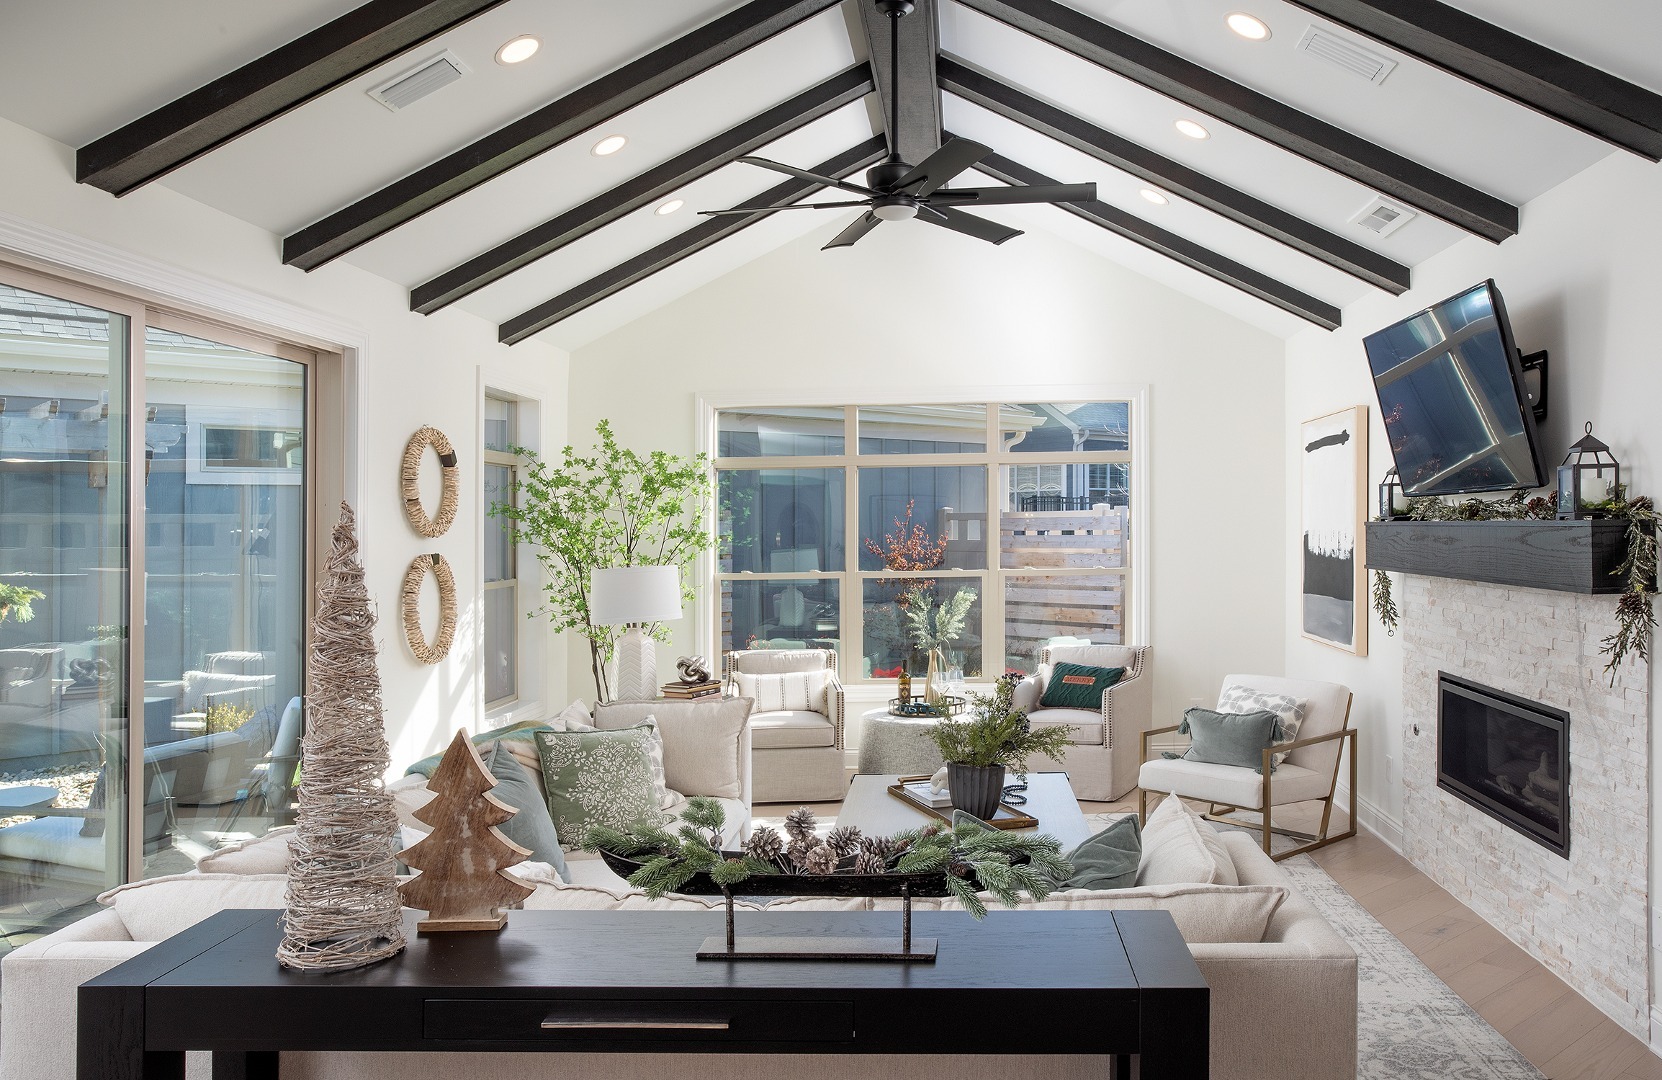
{"type": "Point", "coordinates": [501, 585]}
{"type": "Point", "coordinates": [921, 532]}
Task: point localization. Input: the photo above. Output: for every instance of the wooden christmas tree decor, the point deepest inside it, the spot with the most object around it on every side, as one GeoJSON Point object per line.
{"type": "Point", "coordinates": [342, 908]}
{"type": "Point", "coordinates": [464, 883]}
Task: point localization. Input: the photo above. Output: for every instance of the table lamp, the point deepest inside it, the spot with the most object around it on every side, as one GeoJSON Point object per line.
{"type": "Point", "coordinates": [634, 596]}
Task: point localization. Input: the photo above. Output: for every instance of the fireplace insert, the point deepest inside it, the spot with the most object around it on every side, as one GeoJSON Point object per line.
{"type": "Point", "coordinates": [1507, 756]}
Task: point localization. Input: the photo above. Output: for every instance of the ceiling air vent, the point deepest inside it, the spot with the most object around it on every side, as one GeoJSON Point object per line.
{"type": "Point", "coordinates": [1383, 218]}
{"type": "Point", "coordinates": [1344, 53]}
{"type": "Point", "coordinates": [405, 90]}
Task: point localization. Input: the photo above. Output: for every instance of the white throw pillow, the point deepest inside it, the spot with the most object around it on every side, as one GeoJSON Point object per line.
{"type": "Point", "coordinates": [268, 854]}
{"type": "Point", "coordinates": [791, 691]}
{"type": "Point", "coordinates": [157, 909]}
{"type": "Point", "coordinates": [1244, 699]}
{"type": "Point", "coordinates": [667, 796]}
{"type": "Point", "coordinates": [1180, 848]}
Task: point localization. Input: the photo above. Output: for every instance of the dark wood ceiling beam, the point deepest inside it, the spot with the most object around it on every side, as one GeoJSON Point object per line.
{"type": "Point", "coordinates": [920, 98]}
{"type": "Point", "coordinates": [638, 81]}
{"type": "Point", "coordinates": [1175, 247]}
{"type": "Point", "coordinates": [286, 78]}
{"type": "Point", "coordinates": [1504, 63]}
{"type": "Point", "coordinates": [1282, 125]}
{"type": "Point", "coordinates": [635, 193]}
{"type": "Point", "coordinates": [676, 248]}
{"type": "Point", "coordinates": [1172, 176]}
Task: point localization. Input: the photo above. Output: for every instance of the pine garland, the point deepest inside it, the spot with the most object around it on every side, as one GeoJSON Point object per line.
{"type": "Point", "coordinates": [1635, 615]}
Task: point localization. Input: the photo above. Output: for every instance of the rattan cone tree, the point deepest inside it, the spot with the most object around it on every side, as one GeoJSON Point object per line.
{"type": "Point", "coordinates": [343, 909]}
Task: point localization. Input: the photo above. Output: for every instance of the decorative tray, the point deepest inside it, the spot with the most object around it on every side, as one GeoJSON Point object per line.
{"type": "Point", "coordinates": [917, 706]}
{"type": "Point", "coordinates": [891, 884]}
{"type": "Point", "coordinates": [1006, 817]}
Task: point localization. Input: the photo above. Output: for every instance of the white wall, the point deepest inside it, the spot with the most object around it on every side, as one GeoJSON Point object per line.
{"type": "Point", "coordinates": [1581, 280]}
{"type": "Point", "coordinates": [914, 311]}
{"type": "Point", "coordinates": [416, 370]}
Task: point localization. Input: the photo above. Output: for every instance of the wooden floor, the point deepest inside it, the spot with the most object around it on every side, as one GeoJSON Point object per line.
{"type": "Point", "coordinates": [1537, 1012]}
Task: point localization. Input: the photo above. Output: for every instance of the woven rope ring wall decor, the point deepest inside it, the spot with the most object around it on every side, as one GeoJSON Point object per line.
{"type": "Point", "coordinates": [450, 473]}
{"type": "Point", "coordinates": [410, 602]}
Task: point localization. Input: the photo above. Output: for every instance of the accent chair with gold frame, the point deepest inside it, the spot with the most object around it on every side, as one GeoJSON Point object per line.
{"type": "Point", "coordinates": [1309, 773]}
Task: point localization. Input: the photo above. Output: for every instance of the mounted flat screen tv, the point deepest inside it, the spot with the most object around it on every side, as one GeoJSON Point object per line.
{"type": "Point", "coordinates": [1452, 395]}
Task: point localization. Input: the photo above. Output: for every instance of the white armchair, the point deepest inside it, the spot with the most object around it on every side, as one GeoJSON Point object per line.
{"type": "Point", "coordinates": [1310, 772]}
{"type": "Point", "coordinates": [797, 753]}
{"type": "Point", "coordinates": [1101, 758]}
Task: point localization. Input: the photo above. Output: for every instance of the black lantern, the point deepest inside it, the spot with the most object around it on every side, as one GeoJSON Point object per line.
{"type": "Point", "coordinates": [1393, 503]}
{"type": "Point", "coordinates": [1589, 474]}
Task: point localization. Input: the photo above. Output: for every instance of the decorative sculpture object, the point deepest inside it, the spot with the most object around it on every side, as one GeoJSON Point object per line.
{"type": "Point", "coordinates": [463, 883]}
{"type": "Point", "coordinates": [450, 474]}
{"type": "Point", "coordinates": [694, 670]}
{"type": "Point", "coordinates": [342, 904]}
{"type": "Point", "coordinates": [410, 603]}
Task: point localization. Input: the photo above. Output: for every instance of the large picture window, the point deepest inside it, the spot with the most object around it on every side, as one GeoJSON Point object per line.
{"type": "Point", "coordinates": [987, 530]}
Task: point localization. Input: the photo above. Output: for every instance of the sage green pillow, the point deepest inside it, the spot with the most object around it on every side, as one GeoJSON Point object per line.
{"type": "Point", "coordinates": [1109, 859]}
{"type": "Point", "coordinates": [1078, 686]}
{"type": "Point", "coordinates": [1229, 738]}
{"type": "Point", "coordinates": [531, 828]}
{"type": "Point", "coordinates": [598, 778]}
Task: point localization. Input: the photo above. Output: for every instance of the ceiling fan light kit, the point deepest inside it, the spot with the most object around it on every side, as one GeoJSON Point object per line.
{"type": "Point", "coordinates": [896, 190]}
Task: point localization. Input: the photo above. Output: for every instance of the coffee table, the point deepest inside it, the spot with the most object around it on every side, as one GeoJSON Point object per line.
{"type": "Point", "coordinates": [869, 805]}
{"type": "Point", "coordinates": [17, 801]}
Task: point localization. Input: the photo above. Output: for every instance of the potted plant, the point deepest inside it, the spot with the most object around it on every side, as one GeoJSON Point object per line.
{"type": "Point", "coordinates": [17, 600]}
{"type": "Point", "coordinates": [995, 737]}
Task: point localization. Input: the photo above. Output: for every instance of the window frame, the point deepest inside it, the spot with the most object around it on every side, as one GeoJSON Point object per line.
{"type": "Point", "coordinates": [507, 459]}
{"type": "Point", "coordinates": [996, 458]}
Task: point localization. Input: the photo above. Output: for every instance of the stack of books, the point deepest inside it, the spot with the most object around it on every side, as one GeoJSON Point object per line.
{"type": "Point", "coordinates": [690, 691]}
{"type": "Point", "coordinates": [920, 790]}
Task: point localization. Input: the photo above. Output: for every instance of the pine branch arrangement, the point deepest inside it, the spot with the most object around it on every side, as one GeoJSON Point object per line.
{"type": "Point", "coordinates": [996, 733]}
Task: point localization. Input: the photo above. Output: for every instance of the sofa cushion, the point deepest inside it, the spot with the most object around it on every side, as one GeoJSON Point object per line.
{"type": "Point", "coordinates": [599, 778]}
{"type": "Point", "coordinates": [200, 685]}
{"type": "Point", "coordinates": [55, 841]}
{"type": "Point", "coordinates": [1078, 686]}
{"type": "Point", "coordinates": [789, 729]}
{"type": "Point", "coordinates": [525, 731]}
{"type": "Point", "coordinates": [702, 740]}
{"type": "Point", "coordinates": [1180, 848]}
{"type": "Point", "coordinates": [1204, 914]}
{"type": "Point", "coordinates": [157, 909]}
{"type": "Point", "coordinates": [1084, 725]}
{"type": "Point", "coordinates": [531, 828]}
{"type": "Point", "coordinates": [268, 854]}
{"type": "Point", "coordinates": [1239, 698]}
{"type": "Point", "coordinates": [1237, 739]}
{"type": "Point", "coordinates": [797, 691]}
{"type": "Point", "coordinates": [1230, 786]}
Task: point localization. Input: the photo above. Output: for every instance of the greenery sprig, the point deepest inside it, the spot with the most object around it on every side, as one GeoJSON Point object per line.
{"type": "Point", "coordinates": [997, 733]}
{"type": "Point", "coordinates": [971, 857]}
{"type": "Point", "coordinates": [17, 601]}
{"type": "Point", "coordinates": [1635, 615]}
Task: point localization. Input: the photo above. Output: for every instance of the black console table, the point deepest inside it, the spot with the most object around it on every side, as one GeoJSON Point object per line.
{"type": "Point", "coordinates": [1120, 984]}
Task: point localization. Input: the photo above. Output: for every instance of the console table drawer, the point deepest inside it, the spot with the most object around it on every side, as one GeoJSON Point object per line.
{"type": "Point", "coordinates": [578, 1020]}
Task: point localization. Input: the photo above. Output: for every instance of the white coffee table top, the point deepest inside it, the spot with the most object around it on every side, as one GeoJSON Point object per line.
{"type": "Point", "coordinates": [869, 805]}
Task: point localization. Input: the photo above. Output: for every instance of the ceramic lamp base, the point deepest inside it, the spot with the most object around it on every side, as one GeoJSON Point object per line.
{"type": "Point", "coordinates": [637, 667]}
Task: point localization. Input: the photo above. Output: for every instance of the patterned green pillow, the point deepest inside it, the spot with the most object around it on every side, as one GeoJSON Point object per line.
{"type": "Point", "coordinates": [598, 778]}
{"type": "Point", "coordinates": [1078, 686]}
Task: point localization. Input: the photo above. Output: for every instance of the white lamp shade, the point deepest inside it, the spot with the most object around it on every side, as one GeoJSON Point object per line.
{"type": "Point", "coordinates": [634, 594]}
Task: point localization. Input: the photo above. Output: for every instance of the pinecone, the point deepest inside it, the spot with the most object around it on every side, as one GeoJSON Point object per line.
{"type": "Point", "coordinates": [820, 860]}
{"type": "Point", "coordinates": [870, 862]}
{"type": "Point", "coordinates": [880, 846]}
{"type": "Point", "coordinates": [765, 844]}
{"type": "Point", "coordinates": [798, 850]}
{"type": "Point", "coordinates": [844, 840]}
{"type": "Point", "coordinates": [960, 868]}
{"type": "Point", "coordinates": [800, 823]}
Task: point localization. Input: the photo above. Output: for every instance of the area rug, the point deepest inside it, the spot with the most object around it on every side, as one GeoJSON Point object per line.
{"type": "Point", "coordinates": [1410, 1025]}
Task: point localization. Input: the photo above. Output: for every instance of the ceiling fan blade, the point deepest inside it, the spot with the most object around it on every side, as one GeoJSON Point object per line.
{"type": "Point", "coordinates": [788, 206]}
{"type": "Point", "coordinates": [941, 166]}
{"type": "Point", "coordinates": [861, 226]}
{"type": "Point", "coordinates": [828, 181]}
{"type": "Point", "coordinates": [968, 224]}
{"type": "Point", "coordinates": [1049, 193]}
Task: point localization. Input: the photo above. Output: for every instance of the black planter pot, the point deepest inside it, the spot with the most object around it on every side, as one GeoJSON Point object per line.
{"type": "Point", "coordinates": [975, 789]}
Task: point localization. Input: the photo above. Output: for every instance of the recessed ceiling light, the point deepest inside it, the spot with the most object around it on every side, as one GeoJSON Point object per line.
{"type": "Point", "coordinates": [670, 207]}
{"type": "Point", "coordinates": [520, 48]}
{"type": "Point", "coordinates": [1154, 197]}
{"type": "Point", "coordinates": [1250, 27]}
{"type": "Point", "coordinates": [611, 144]}
{"type": "Point", "coordinates": [1192, 129]}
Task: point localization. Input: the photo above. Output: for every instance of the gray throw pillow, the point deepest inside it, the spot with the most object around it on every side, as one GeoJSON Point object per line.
{"type": "Point", "coordinates": [532, 827]}
{"type": "Point", "coordinates": [1109, 859]}
{"type": "Point", "coordinates": [1229, 738]}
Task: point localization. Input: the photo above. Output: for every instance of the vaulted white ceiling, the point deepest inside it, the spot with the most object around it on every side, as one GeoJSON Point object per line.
{"type": "Point", "coordinates": [77, 71]}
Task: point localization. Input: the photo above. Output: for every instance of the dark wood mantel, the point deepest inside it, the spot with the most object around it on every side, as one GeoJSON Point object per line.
{"type": "Point", "coordinates": [1564, 556]}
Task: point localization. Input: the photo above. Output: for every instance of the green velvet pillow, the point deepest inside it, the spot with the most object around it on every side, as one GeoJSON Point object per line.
{"type": "Point", "coordinates": [1229, 738]}
{"type": "Point", "coordinates": [1109, 859]}
{"type": "Point", "coordinates": [531, 828]}
{"type": "Point", "coordinates": [599, 778]}
{"type": "Point", "coordinates": [525, 730]}
{"type": "Point", "coordinates": [1078, 686]}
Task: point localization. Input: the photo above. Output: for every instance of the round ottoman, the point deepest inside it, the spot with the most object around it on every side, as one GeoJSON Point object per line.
{"type": "Point", "coordinates": [897, 744]}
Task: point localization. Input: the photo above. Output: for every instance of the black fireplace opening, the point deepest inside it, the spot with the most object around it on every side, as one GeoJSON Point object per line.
{"type": "Point", "coordinates": [1507, 756]}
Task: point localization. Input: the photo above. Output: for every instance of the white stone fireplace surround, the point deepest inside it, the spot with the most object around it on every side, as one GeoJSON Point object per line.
{"type": "Point", "coordinates": [1583, 917]}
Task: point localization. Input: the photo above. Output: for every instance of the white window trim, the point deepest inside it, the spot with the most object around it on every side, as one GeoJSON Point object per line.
{"type": "Point", "coordinates": [707, 405]}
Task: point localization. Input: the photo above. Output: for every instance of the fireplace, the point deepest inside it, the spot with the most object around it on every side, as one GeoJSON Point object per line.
{"type": "Point", "coordinates": [1507, 756]}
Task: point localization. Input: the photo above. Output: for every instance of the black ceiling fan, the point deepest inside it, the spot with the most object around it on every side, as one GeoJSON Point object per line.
{"type": "Point", "coordinates": [895, 190]}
